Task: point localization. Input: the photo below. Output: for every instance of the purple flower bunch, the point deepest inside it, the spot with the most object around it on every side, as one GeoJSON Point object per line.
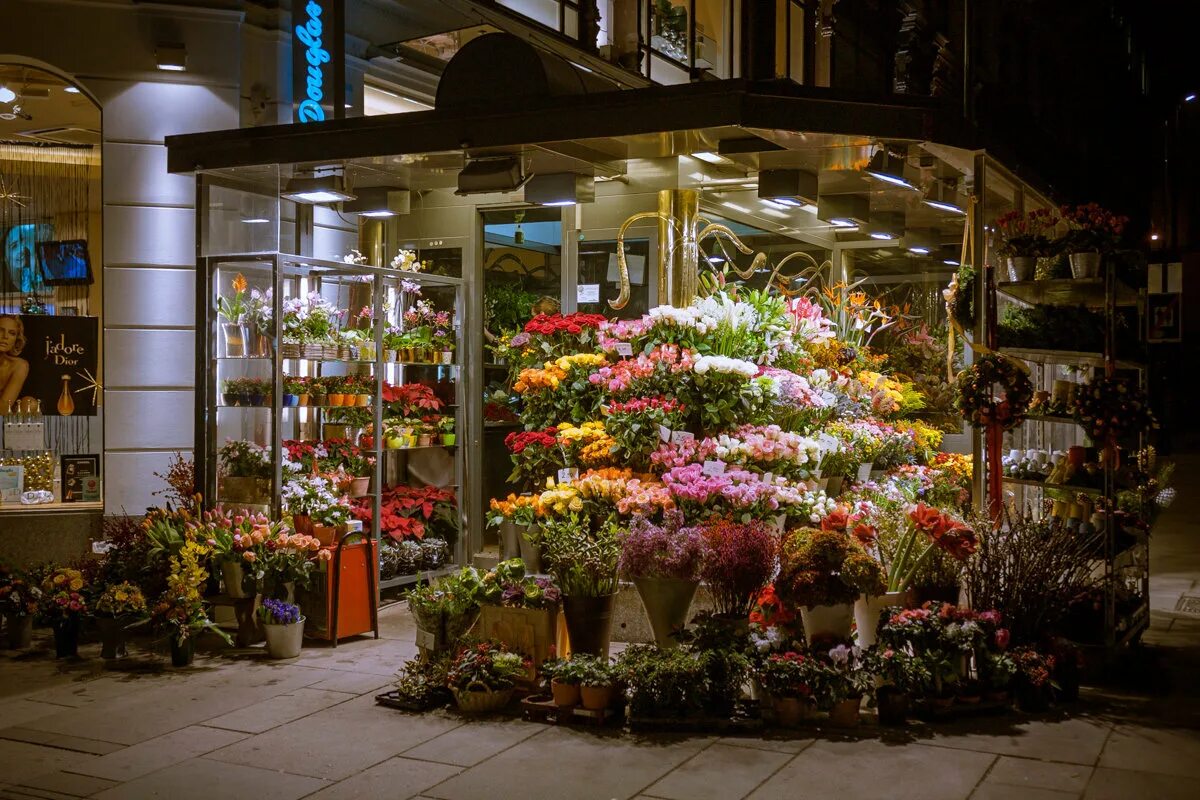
{"type": "Point", "coordinates": [739, 561]}
{"type": "Point", "coordinates": [669, 550]}
{"type": "Point", "coordinates": [278, 612]}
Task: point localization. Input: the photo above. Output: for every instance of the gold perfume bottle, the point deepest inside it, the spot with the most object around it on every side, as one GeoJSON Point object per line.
{"type": "Point", "coordinates": [66, 403]}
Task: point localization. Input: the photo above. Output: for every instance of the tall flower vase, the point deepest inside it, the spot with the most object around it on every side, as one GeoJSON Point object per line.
{"type": "Point", "coordinates": [867, 611]}
{"type": "Point", "coordinates": [589, 623]}
{"type": "Point", "coordinates": [183, 652]}
{"type": "Point", "coordinates": [66, 638]}
{"type": "Point", "coordinates": [112, 636]}
{"type": "Point", "coordinates": [510, 540]}
{"type": "Point", "coordinates": [234, 575]}
{"type": "Point", "coordinates": [826, 621]}
{"type": "Point", "coordinates": [19, 629]}
{"type": "Point", "coordinates": [235, 339]}
{"type": "Point", "coordinates": [531, 553]}
{"type": "Point", "coordinates": [1020, 268]}
{"type": "Point", "coordinates": [667, 602]}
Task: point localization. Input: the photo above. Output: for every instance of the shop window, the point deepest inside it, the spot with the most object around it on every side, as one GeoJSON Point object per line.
{"type": "Point", "coordinates": [598, 279]}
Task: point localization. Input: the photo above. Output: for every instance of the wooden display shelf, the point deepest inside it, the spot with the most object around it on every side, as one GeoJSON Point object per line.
{"type": "Point", "coordinates": [1055, 486]}
{"type": "Point", "coordinates": [56, 507]}
{"type": "Point", "coordinates": [1043, 356]}
{"type": "Point", "coordinates": [1066, 292]}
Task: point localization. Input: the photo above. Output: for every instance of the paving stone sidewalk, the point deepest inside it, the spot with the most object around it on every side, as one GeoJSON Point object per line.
{"type": "Point", "coordinates": [240, 726]}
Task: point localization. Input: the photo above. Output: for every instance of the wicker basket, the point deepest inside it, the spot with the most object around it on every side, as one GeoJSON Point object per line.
{"type": "Point", "coordinates": [483, 701]}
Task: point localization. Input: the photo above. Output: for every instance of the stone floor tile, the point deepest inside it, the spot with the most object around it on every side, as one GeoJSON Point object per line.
{"type": "Point", "coordinates": [395, 779]}
{"type": "Point", "coordinates": [1120, 784]}
{"type": "Point", "coordinates": [1004, 791]}
{"type": "Point", "coordinates": [201, 779]}
{"type": "Point", "coordinates": [339, 741]}
{"type": "Point", "coordinates": [572, 763]}
{"type": "Point", "coordinates": [719, 772]}
{"type": "Point", "coordinates": [81, 693]}
{"type": "Point", "coordinates": [61, 741]}
{"type": "Point", "coordinates": [1073, 740]}
{"type": "Point", "coordinates": [278, 710]}
{"type": "Point", "coordinates": [1028, 772]}
{"type": "Point", "coordinates": [1172, 751]}
{"type": "Point", "coordinates": [353, 683]}
{"type": "Point", "coordinates": [21, 761]}
{"type": "Point", "coordinates": [22, 710]}
{"type": "Point", "coordinates": [778, 743]}
{"type": "Point", "coordinates": [68, 783]}
{"type": "Point", "coordinates": [159, 753]}
{"type": "Point", "coordinates": [469, 744]}
{"type": "Point", "coordinates": [869, 768]}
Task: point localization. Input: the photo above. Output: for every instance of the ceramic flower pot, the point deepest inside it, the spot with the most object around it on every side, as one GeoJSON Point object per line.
{"type": "Point", "coordinates": [826, 621]}
{"type": "Point", "coordinates": [596, 698]}
{"type": "Point", "coordinates": [449, 439]}
{"type": "Point", "coordinates": [183, 653]}
{"type": "Point", "coordinates": [565, 694]}
{"type": "Point", "coordinates": [844, 713]}
{"type": "Point", "coordinates": [19, 630]}
{"type": "Point", "coordinates": [667, 602]}
{"type": "Point", "coordinates": [360, 486]}
{"type": "Point", "coordinates": [335, 398]}
{"type": "Point", "coordinates": [317, 398]}
{"type": "Point", "coordinates": [302, 523]}
{"type": "Point", "coordinates": [363, 400]}
{"type": "Point", "coordinates": [284, 641]}
{"type": "Point", "coordinates": [589, 623]}
{"type": "Point", "coordinates": [112, 635]}
{"type": "Point", "coordinates": [1085, 265]}
{"type": "Point", "coordinates": [66, 637]}
{"type": "Point", "coordinates": [303, 399]}
{"type": "Point", "coordinates": [425, 440]}
{"type": "Point", "coordinates": [893, 705]}
{"type": "Point", "coordinates": [291, 400]}
{"type": "Point", "coordinates": [238, 584]}
{"type": "Point", "coordinates": [326, 534]}
{"type": "Point", "coordinates": [1020, 268]}
{"type": "Point", "coordinates": [791, 711]}
{"type": "Point", "coordinates": [867, 611]}
{"type": "Point", "coordinates": [531, 553]}
{"type": "Point", "coordinates": [389, 354]}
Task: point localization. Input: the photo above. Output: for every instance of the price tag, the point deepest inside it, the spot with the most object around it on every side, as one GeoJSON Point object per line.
{"type": "Point", "coordinates": [24, 435]}
{"type": "Point", "coordinates": [587, 293]}
{"type": "Point", "coordinates": [567, 474]}
{"type": "Point", "coordinates": [664, 433]}
{"type": "Point", "coordinates": [679, 437]}
{"type": "Point", "coordinates": [768, 477]}
{"type": "Point", "coordinates": [713, 468]}
{"type": "Point", "coordinates": [100, 548]}
{"type": "Point", "coordinates": [624, 349]}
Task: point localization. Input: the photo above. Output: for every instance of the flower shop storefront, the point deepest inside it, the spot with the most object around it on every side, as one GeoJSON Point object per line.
{"type": "Point", "coordinates": [590, 349]}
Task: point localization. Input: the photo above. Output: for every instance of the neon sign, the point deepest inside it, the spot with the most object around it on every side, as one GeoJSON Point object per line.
{"type": "Point", "coordinates": [317, 60]}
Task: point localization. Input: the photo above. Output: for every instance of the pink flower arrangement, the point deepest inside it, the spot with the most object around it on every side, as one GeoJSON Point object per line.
{"type": "Point", "coordinates": [680, 454]}
{"type": "Point", "coordinates": [620, 378]}
{"type": "Point", "coordinates": [646, 498]}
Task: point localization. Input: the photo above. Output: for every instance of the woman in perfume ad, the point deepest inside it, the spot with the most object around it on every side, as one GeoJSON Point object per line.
{"type": "Point", "coordinates": [13, 368]}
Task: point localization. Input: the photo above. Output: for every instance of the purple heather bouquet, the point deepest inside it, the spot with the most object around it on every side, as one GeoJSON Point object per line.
{"type": "Point", "coordinates": [669, 550]}
{"type": "Point", "coordinates": [278, 612]}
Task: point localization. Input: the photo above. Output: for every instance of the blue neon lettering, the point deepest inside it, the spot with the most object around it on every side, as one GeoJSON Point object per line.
{"type": "Point", "coordinates": [309, 35]}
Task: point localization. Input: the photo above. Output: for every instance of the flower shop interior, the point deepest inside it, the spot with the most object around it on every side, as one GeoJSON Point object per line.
{"type": "Point", "coordinates": [697, 420]}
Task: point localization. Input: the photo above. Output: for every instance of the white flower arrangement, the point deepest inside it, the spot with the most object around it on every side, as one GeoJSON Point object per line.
{"type": "Point", "coordinates": [354, 257]}
{"type": "Point", "coordinates": [406, 260]}
{"type": "Point", "coordinates": [723, 364]}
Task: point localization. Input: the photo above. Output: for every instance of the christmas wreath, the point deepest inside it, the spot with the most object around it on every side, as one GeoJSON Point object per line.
{"type": "Point", "coordinates": [976, 401]}
{"type": "Point", "coordinates": [1112, 408]}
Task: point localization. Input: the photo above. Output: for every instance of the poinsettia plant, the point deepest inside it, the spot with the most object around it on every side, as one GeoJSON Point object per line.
{"type": "Point", "coordinates": [409, 399]}
{"type": "Point", "coordinates": [412, 513]}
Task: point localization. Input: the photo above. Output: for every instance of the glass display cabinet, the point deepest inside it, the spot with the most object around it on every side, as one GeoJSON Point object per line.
{"type": "Point", "coordinates": [333, 393]}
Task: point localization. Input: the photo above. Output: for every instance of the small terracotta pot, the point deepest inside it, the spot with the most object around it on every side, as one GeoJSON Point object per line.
{"type": "Point", "coordinates": [304, 399]}
{"type": "Point", "coordinates": [326, 534]}
{"type": "Point", "coordinates": [364, 400]}
{"type": "Point", "coordinates": [565, 694]}
{"type": "Point", "coordinates": [596, 698]}
{"type": "Point", "coordinates": [789, 711]}
{"type": "Point", "coordinates": [844, 713]}
{"type": "Point", "coordinates": [336, 399]}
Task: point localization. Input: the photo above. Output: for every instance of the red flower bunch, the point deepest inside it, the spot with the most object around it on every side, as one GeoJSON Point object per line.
{"type": "Point", "coordinates": [769, 611]}
{"type": "Point", "coordinates": [574, 324]}
{"type": "Point", "coordinates": [517, 441]}
{"type": "Point", "coordinates": [841, 519]}
{"type": "Point", "coordinates": [639, 405]}
{"type": "Point", "coordinates": [408, 512]}
{"type": "Point", "coordinates": [946, 532]}
{"type": "Point", "coordinates": [1033, 668]}
{"type": "Point", "coordinates": [1092, 227]}
{"type": "Point", "coordinates": [498, 412]}
{"type": "Point", "coordinates": [410, 398]}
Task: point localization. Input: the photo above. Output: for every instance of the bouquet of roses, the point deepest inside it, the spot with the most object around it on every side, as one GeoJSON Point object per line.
{"type": "Point", "coordinates": [1091, 228]}
{"type": "Point", "coordinates": [19, 598]}
{"type": "Point", "coordinates": [636, 426]}
{"type": "Point", "coordinates": [586, 444]}
{"type": "Point", "coordinates": [535, 454]}
{"type": "Point", "coordinates": [657, 371]}
{"type": "Point", "coordinates": [554, 335]}
{"type": "Point", "coordinates": [62, 596]}
{"type": "Point", "coordinates": [1027, 234]}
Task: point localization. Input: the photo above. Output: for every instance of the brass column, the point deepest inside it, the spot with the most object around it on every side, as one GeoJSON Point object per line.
{"type": "Point", "coordinates": [678, 250]}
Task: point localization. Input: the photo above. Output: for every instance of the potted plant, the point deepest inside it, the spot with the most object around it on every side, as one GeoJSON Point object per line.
{"type": "Point", "coordinates": [1024, 237]}
{"type": "Point", "coordinates": [661, 683]}
{"type": "Point", "coordinates": [1033, 682]}
{"type": "Point", "coordinates": [445, 610]}
{"type": "Point", "coordinates": [664, 563]}
{"type": "Point", "coordinates": [788, 680]}
{"type": "Point", "coordinates": [232, 311]}
{"type": "Point", "coordinates": [62, 606]}
{"type": "Point", "coordinates": [823, 571]}
{"type": "Point", "coordinates": [901, 674]}
{"type": "Point", "coordinates": [284, 627]}
{"type": "Point", "coordinates": [565, 676]}
{"type": "Point", "coordinates": [317, 392]}
{"type": "Point", "coordinates": [1091, 231]}
{"type": "Point", "coordinates": [231, 391]}
{"type": "Point", "coordinates": [842, 681]}
{"type": "Point", "coordinates": [180, 610]}
{"type": "Point", "coordinates": [246, 471]}
{"type": "Point", "coordinates": [582, 555]}
{"type": "Point", "coordinates": [425, 434]}
{"type": "Point", "coordinates": [336, 390]}
{"type": "Point", "coordinates": [519, 609]}
{"type": "Point", "coordinates": [739, 558]}
{"type": "Point", "coordinates": [118, 606]}
{"type": "Point", "coordinates": [482, 677]}
{"type": "Point", "coordinates": [597, 681]}
{"type": "Point", "coordinates": [260, 323]}
{"type": "Point", "coordinates": [317, 508]}
{"type": "Point", "coordinates": [996, 670]}
{"type": "Point", "coordinates": [421, 683]}
{"type": "Point", "coordinates": [446, 425]}
{"type": "Point", "coordinates": [259, 390]}
{"type": "Point", "coordinates": [19, 601]}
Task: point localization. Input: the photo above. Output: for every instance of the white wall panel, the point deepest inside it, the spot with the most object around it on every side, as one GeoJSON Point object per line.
{"type": "Point", "coordinates": [333, 243]}
{"type": "Point", "coordinates": [149, 235]}
{"type": "Point", "coordinates": [137, 173]}
{"type": "Point", "coordinates": [148, 419]}
{"type": "Point", "coordinates": [148, 296]}
{"type": "Point", "coordinates": [129, 482]}
{"type": "Point", "coordinates": [146, 111]}
{"type": "Point", "coordinates": [150, 358]}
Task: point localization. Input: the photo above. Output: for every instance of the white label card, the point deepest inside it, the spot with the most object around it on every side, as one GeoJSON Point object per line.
{"type": "Point", "coordinates": [624, 349]}
{"type": "Point", "coordinates": [664, 433]}
{"type": "Point", "coordinates": [587, 293]}
{"type": "Point", "coordinates": [712, 468]}
{"type": "Point", "coordinates": [679, 437]}
{"type": "Point", "coordinates": [567, 474]}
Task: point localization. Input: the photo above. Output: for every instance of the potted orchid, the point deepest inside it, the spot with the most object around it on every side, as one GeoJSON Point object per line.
{"type": "Point", "coordinates": [664, 563]}
{"type": "Point", "coordinates": [260, 322]}
{"type": "Point", "coordinates": [232, 310]}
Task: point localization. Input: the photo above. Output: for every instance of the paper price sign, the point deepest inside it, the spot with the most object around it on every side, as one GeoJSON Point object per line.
{"type": "Point", "coordinates": [713, 468]}
{"type": "Point", "coordinates": [624, 349]}
{"type": "Point", "coordinates": [679, 437]}
{"type": "Point", "coordinates": [567, 474]}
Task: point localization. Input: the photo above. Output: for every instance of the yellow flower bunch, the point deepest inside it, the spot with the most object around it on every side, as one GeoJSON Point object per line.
{"type": "Point", "coordinates": [566, 363]}
{"type": "Point", "coordinates": [534, 379]}
{"type": "Point", "coordinates": [886, 394]}
{"type": "Point", "coordinates": [561, 499]}
{"type": "Point", "coordinates": [569, 434]}
{"type": "Point", "coordinates": [592, 445]}
{"type": "Point", "coordinates": [927, 438]}
{"type": "Point", "coordinates": [606, 484]}
{"type": "Point", "coordinates": [65, 580]}
{"type": "Point", "coordinates": [957, 467]}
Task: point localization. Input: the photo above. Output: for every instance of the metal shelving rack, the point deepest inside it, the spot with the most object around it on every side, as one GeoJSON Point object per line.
{"type": "Point", "coordinates": [292, 276]}
{"type": "Point", "coordinates": [1106, 293]}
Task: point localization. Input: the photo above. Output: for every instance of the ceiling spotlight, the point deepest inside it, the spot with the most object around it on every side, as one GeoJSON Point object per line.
{"type": "Point", "coordinates": [711, 158]}
{"type": "Point", "coordinates": [491, 174]}
{"type": "Point", "coordinates": [1190, 98]}
{"type": "Point", "coordinates": [886, 225]}
{"type": "Point", "coordinates": [888, 167]}
{"type": "Point", "coordinates": [935, 197]}
{"type": "Point", "coordinates": [560, 189]}
{"type": "Point", "coordinates": [950, 262]}
{"type": "Point", "coordinates": [171, 57]}
{"type": "Point", "coordinates": [791, 187]}
{"type": "Point", "coordinates": [7, 95]}
{"type": "Point", "coordinates": [922, 242]}
{"type": "Point", "coordinates": [1154, 237]}
{"type": "Point", "coordinates": [316, 191]}
{"type": "Point", "coordinates": [883, 235]}
{"type": "Point", "coordinates": [378, 201]}
{"type": "Point", "coordinates": [844, 210]}
{"type": "Point", "coordinates": [71, 89]}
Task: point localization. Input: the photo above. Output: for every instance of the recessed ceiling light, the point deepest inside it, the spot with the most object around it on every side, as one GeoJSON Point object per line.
{"type": "Point", "coordinates": [921, 251]}
{"type": "Point", "coordinates": [711, 158]}
{"type": "Point", "coordinates": [560, 203]}
{"type": "Point", "coordinates": [882, 236]}
{"type": "Point", "coordinates": [377, 214]}
{"type": "Point", "coordinates": [171, 57]}
{"type": "Point", "coordinates": [950, 261]}
{"type": "Point", "coordinates": [256, 221]}
{"type": "Point", "coordinates": [889, 168]}
{"type": "Point", "coordinates": [71, 89]}
{"type": "Point", "coordinates": [7, 95]}
{"type": "Point", "coordinates": [840, 222]}
{"type": "Point", "coordinates": [314, 191]}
